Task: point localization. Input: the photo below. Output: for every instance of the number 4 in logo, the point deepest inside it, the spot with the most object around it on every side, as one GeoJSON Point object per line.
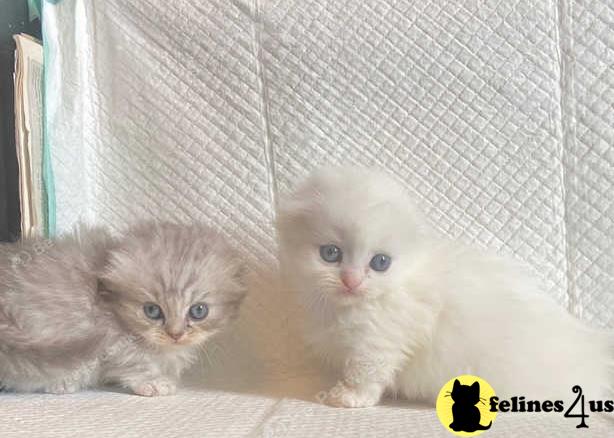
{"type": "Point", "coordinates": [582, 415]}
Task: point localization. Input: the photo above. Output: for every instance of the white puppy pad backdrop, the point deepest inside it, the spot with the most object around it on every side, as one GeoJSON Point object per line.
{"type": "Point", "coordinates": [496, 115]}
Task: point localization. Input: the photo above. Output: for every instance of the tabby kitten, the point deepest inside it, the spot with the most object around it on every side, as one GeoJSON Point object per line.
{"type": "Point", "coordinates": [88, 309]}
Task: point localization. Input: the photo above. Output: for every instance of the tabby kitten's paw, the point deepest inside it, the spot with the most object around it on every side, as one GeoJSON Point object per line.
{"type": "Point", "coordinates": [155, 388]}
{"type": "Point", "coordinates": [62, 387]}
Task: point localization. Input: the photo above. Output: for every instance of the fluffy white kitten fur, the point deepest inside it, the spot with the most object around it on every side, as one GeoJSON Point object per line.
{"type": "Point", "coordinates": [72, 311]}
{"type": "Point", "coordinates": [440, 310]}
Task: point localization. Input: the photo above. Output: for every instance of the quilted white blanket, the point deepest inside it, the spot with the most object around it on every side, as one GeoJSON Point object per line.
{"type": "Point", "coordinates": [498, 115]}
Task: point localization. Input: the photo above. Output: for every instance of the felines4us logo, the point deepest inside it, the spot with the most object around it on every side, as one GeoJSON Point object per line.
{"type": "Point", "coordinates": [467, 406]}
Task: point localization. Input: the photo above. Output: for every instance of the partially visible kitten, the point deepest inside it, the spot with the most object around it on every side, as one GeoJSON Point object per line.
{"type": "Point", "coordinates": [87, 309]}
{"type": "Point", "coordinates": [392, 308]}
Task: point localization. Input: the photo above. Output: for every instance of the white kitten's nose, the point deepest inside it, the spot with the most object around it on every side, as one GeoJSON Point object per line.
{"type": "Point", "coordinates": [351, 278]}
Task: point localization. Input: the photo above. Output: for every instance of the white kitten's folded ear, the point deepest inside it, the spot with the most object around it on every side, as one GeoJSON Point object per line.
{"type": "Point", "coordinates": [291, 207]}
{"type": "Point", "coordinates": [293, 217]}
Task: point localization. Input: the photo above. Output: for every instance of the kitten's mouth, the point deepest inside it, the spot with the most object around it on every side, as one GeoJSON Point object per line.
{"type": "Point", "coordinates": [178, 342]}
{"type": "Point", "coordinates": [350, 293]}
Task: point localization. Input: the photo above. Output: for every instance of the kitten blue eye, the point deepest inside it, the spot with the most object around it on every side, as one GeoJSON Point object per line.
{"type": "Point", "coordinates": [199, 311]}
{"type": "Point", "coordinates": [330, 253]}
{"type": "Point", "coordinates": [380, 262]}
{"type": "Point", "coordinates": [153, 311]}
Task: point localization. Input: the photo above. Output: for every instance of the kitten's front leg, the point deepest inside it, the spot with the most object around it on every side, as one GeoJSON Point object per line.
{"type": "Point", "coordinates": [362, 385]}
{"type": "Point", "coordinates": [155, 387]}
{"type": "Point", "coordinates": [60, 387]}
{"type": "Point", "coordinates": [148, 382]}
{"type": "Point", "coordinates": [142, 379]}
{"type": "Point", "coordinates": [343, 395]}
{"type": "Point", "coordinates": [73, 380]}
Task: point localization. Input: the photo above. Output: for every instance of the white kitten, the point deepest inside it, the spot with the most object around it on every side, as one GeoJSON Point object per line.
{"type": "Point", "coordinates": [394, 309]}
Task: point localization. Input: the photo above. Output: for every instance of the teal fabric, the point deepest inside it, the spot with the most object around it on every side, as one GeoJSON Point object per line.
{"type": "Point", "coordinates": [34, 9]}
{"type": "Point", "coordinates": [48, 181]}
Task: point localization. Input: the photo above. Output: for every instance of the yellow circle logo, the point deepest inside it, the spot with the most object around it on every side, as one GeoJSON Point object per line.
{"type": "Point", "coordinates": [463, 405]}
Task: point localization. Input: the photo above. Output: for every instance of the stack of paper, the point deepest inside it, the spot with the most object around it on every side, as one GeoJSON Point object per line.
{"type": "Point", "coordinates": [29, 134]}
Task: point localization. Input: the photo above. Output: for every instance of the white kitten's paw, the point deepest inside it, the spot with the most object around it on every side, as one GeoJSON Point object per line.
{"type": "Point", "coordinates": [62, 387]}
{"type": "Point", "coordinates": [342, 396]}
{"type": "Point", "coordinates": [155, 388]}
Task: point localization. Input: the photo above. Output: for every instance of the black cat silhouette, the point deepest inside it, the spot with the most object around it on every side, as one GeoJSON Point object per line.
{"type": "Point", "coordinates": [466, 416]}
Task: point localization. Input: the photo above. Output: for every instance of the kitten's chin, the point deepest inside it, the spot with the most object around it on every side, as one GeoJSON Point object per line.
{"type": "Point", "coordinates": [176, 345]}
{"type": "Point", "coordinates": [343, 297]}
{"type": "Point", "coordinates": [167, 343]}
{"type": "Point", "coordinates": [188, 342]}
{"type": "Point", "coordinates": [171, 343]}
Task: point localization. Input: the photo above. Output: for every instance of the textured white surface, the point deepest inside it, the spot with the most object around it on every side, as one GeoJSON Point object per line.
{"type": "Point", "coordinates": [590, 166]}
{"type": "Point", "coordinates": [495, 114]}
{"type": "Point", "coordinates": [498, 115]}
{"type": "Point", "coordinates": [205, 413]}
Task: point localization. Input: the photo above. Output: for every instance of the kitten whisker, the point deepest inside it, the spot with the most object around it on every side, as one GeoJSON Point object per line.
{"type": "Point", "coordinates": [203, 354]}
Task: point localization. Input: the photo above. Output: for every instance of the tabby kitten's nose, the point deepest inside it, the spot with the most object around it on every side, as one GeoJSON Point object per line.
{"type": "Point", "coordinates": [176, 335]}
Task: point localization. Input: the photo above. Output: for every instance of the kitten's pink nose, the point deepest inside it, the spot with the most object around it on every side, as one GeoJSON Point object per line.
{"type": "Point", "coordinates": [176, 335]}
{"type": "Point", "coordinates": [351, 278]}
